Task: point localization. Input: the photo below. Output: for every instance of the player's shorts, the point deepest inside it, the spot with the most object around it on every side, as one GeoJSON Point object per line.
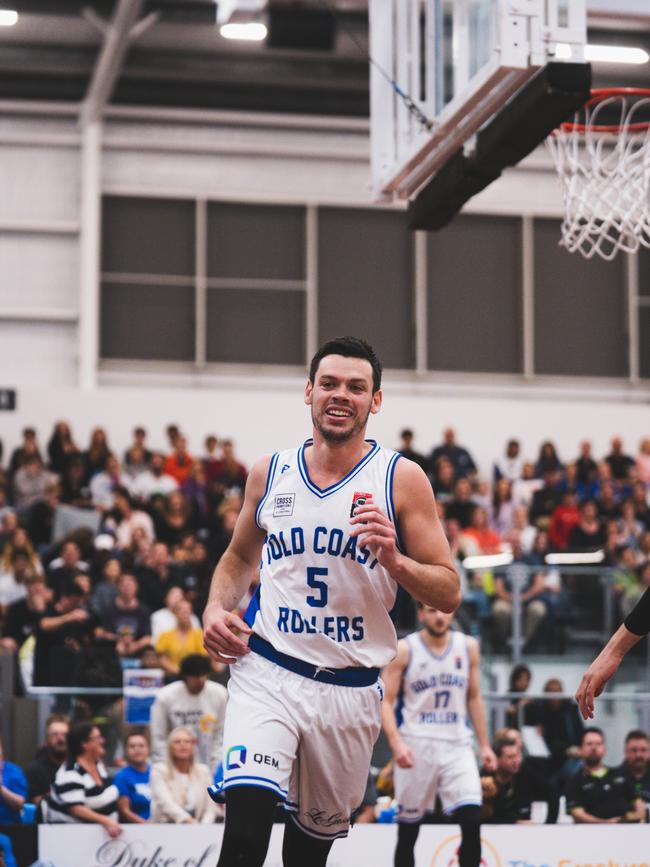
{"type": "Point", "coordinates": [309, 742]}
{"type": "Point", "coordinates": [441, 769]}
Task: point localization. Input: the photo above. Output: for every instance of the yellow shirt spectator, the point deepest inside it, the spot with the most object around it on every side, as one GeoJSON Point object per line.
{"type": "Point", "coordinates": [175, 644]}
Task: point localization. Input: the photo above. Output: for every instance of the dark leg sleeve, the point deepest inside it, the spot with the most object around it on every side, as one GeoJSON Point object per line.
{"type": "Point", "coordinates": [469, 819]}
{"type": "Point", "coordinates": [249, 821]}
{"type": "Point", "coordinates": [301, 850]}
{"type": "Point", "coordinates": [407, 834]}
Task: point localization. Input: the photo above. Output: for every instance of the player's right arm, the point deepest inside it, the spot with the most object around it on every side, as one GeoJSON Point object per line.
{"type": "Point", "coordinates": [392, 676]}
{"type": "Point", "coordinates": [234, 574]}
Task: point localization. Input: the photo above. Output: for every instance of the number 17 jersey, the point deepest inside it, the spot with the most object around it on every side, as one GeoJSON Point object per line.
{"type": "Point", "coordinates": [323, 597]}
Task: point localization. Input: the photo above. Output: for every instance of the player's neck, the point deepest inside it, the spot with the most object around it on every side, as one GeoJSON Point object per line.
{"type": "Point", "coordinates": [329, 461]}
{"type": "Point", "coordinates": [437, 643]}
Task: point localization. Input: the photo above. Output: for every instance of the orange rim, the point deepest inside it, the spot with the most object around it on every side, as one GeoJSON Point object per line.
{"type": "Point", "coordinates": [601, 94]}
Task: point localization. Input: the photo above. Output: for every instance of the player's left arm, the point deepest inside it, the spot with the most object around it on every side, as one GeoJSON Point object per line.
{"type": "Point", "coordinates": [476, 706]}
{"type": "Point", "coordinates": [427, 570]}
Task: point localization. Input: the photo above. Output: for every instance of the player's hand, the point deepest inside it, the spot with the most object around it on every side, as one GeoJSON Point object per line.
{"type": "Point", "coordinates": [488, 759]}
{"type": "Point", "coordinates": [594, 679]}
{"type": "Point", "coordinates": [374, 530]}
{"type": "Point", "coordinates": [219, 634]}
{"type": "Point", "coordinates": [403, 754]}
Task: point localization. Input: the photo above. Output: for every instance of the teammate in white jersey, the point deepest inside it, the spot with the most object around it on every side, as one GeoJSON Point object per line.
{"type": "Point", "coordinates": [335, 528]}
{"type": "Point", "coordinates": [432, 694]}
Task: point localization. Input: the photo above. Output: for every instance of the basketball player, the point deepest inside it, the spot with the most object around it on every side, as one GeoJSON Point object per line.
{"type": "Point", "coordinates": [335, 527]}
{"type": "Point", "coordinates": [435, 679]}
{"type": "Point", "coordinates": [605, 665]}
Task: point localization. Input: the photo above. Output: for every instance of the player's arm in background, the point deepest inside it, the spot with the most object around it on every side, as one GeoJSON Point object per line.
{"type": "Point", "coordinates": [392, 676]}
{"type": "Point", "coordinates": [234, 573]}
{"type": "Point", "coordinates": [476, 707]}
{"type": "Point", "coordinates": [427, 571]}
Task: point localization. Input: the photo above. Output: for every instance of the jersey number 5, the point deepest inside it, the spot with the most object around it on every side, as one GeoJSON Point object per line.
{"type": "Point", "coordinates": [319, 601]}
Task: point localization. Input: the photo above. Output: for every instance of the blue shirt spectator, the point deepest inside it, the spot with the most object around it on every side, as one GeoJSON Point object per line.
{"type": "Point", "coordinates": [7, 851]}
{"type": "Point", "coordinates": [133, 781]}
{"type": "Point", "coordinates": [13, 791]}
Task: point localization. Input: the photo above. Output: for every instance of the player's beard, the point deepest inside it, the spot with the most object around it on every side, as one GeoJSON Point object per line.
{"type": "Point", "coordinates": [338, 436]}
{"type": "Point", "coordinates": [436, 633]}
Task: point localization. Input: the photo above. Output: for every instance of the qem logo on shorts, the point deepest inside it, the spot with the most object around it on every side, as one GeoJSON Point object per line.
{"type": "Point", "coordinates": [446, 855]}
{"type": "Point", "coordinates": [236, 757]}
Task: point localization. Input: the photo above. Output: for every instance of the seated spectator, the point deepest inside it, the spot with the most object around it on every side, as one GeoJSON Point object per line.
{"type": "Point", "coordinates": [643, 461]}
{"type": "Point", "coordinates": [49, 757]}
{"type": "Point", "coordinates": [137, 456]}
{"type": "Point", "coordinates": [597, 793]}
{"type": "Point", "coordinates": [211, 456]}
{"type": "Point", "coordinates": [64, 568]}
{"type": "Point", "coordinates": [82, 790]}
{"type": "Point", "coordinates": [525, 487]}
{"type": "Point", "coordinates": [640, 499]}
{"type": "Point", "coordinates": [40, 518]}
{"type": "Point", "coordinates": [179, 463]}
{"type": "Point", "coordinates": [24, 615]}
{"type": "Point", "coordinates": [196, 490]}
{"type": "Point", "coordinates": [179, 784]}
{"type": "Point", "coordinates": [406, 449]}
{"type": "Point", "coordinates": [134, 780]}
{"type": "Point", "coordinates": [546, 499]}
{"type": "Point", "coordinates": [229, 476]}
{"type": "Point", "coordinates": [506, 798]}
{"type": "Point", "coordinates": [155, 576]}
{"type": "Point", "coordinates": [126, 623]}
{"type": "Point", "coordinates": [181, 641]}
{"type": "Point", "coordinates": [13, 582]}
{"type": "Point", "coordinates": [588, 534]}
{"type": "Point", "coordinates": [501, 508]}
{"type": "Point", "coordinates": [443, 479]}
{"type": "Point", "coordinates": [63, 635]}
{"type": "Point", "coordinates": [619, 462]}
{"type": "Point", "coordinates": [195, 703]}
{"type": "Point", "coordinates": [486, 541]}
{"type": "Point", "coordinates": [125, 519]}
{"type": "Point", "coordinates": [97, 453]}
{"type": "Point", "coordinates": [586, 466]}
{"type": "Point", "coordinates": [533, 589]}
{"type": "Point", "coordinates": [105, 591]}
{"type": "Point", "coordinates": [527, 533]}
{"type": "Point", "coordinates": [27, 449]}
{"type": "Point", "coordinates": [154, 481]}
{"type": "Point", "coordinates": [520, 708]}
{"type": "Point", "coordinates": [176, 520]}
{"type": "Point", "coordinates": [561, 726]}
{"type": "Point", "coordinates": [564, 518]}
{"type": "Point", "coordinates": [630, 529]}
{"type": "Point", "coordinates": [461, 460]}
{"type": "Point", "coordinates": [511, 464]}
{"type": "Point", "coordinates": [548, 461]}
{"type": "Point", "coordinates": [61, 447]}
{"type": "Point", "coordinates": [636, 764]}
{"type": "Point", "coordinates": [627, 587]}
{"type": "Point", "coordinates": [104, 483]}
{"type": "Point", "coordinates": [13, 791]}
{"type": "Point", "coordinates": [164, 619]}
{"type": "Point", "coordinates": [607, 501]}
{"type": "Point", "coordinates": [30, 483]}
{"type": "Point", "coordinates": [7, 858]}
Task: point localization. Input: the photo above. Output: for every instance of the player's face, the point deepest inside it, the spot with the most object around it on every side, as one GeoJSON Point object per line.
{"type": "Point", "coordinates": [637, 754]}
{"type": "Point", "coordinates": [341, 397]}
{"type": "Point", "coordinates": [436, 623]}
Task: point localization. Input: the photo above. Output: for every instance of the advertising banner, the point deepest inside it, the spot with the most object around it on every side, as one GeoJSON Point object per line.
{"type": "Point", "coordinates": [140, 687]}
{"type": "Point", "coordinates": [503, 846]}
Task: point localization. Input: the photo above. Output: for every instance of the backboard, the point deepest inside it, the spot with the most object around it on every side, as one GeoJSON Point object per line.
{"type": "Point", "coordinates": [444, 71]}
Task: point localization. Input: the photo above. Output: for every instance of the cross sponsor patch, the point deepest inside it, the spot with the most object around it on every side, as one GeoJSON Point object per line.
{"type": "Point", "coordinates": [359, 498]}
{"type": "Point", "coordinates": [283, 505]}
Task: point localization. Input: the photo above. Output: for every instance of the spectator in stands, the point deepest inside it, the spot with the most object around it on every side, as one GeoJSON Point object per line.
{"type": "Point", "coordinates": [64, 568]}
{"type": "Point", "coordinates": [181, 641]}
{"type": "Point", "coordinates": [643, 461]}
{"type": "Point", "coordinates": [501, 508]}
{"type": "Point", "coordinates": [524, 488]}
{"type": "Point", "coordinates": [596, 793]}
{"type": "Point", "coordinates": [532, 777]}
{"type": "Point", "coordinates": [564, 518]}
{"type": "Point", "coordinates": [105, 591]}
{"type": "Point", "coordinates": [49, 757]}
{"type": "Point", "coordinates": [82, 790]}
{"type": "Point", "coordinates": [63, 634]}
{"type": "Point", "coordinates": [154, 481]}
{"type": "Point", "coordinates": [212, 454]}
{"type": "Point", "coordinates": [548, 461]}
{"type": "Point", "coordinates": [485, 540]}
{"type": "Point", "coordinates": [24, 615]}
{"type": "Point", "coordinates": [134, 780]}
{"type": "Point", "coordinates": [61, 447]}
{"type": "Point", "coordinates": [619, 462]}
{"type": "Point", "coordinates": [13, 791]}
{"type": "Point", "coordinates": [164, 619]}
{"type": "Point", "coordinates": [519, 682]}
{"type": "Point", "coordinates": [124, 519]}
{"type": "Point", "coordinates": [40, 518]}
{"type": "Point", "coordinates": [194, 702]}
{"type": "Point", "coordinates": [636, 764]}
{"type": "Point", "coordinates": [608, 501]}
{"type": "Point", "coordinates": [126, 623]}
{"type": "Point", "coordinates": [19, 540]}
{"type": "Point", "coordinates": [627, 587]}
{"type": "Point", "coordinates": [532, 590]}
{"type": "Point", "coordinates": [179, 784]}
{"type": "Point", "coordinates": [196, 490]}
{"type": "Point", "coordinates": [104, 484]}
{"type": "Point", "coordinates": [222, 528]}
{"type": "Point", "coordinates": [586, 466]}
{"type": "Point", "coordinates": [172, 432]}
{"type": "Point", "coordinates": [406, 449]}
{"type": "Point", "coordinates": [97, 453]}
{"type": "Point", "coordinates": [511, 464]}
{"type": "Point", "coordinates": [462, 505]}
{"type": "Point", "coordinates": [137, 456]}
{"type": "Point", "coordinates": [588, 534]}
{"type": "Point", "coordinates": [525, 530]}
{"type": "Point", "coordinates": [459, 456]}
{"type": "Point", "coordinates": [13, 582]}
{"type": "Point", "coordinates": [639, 497]}
{"type": "Point", "coordinates": [443, 479]}
{"type": "Point", "coordinates": [7, 858]}
{"type": "Point", "coordinates": [630, 528]}
{"type": "Point", "coordinates": [506, 799]}
{"type": "Point", "coordinates": [30, 483]}
{"type": "Point", "coordinates": [546, 499]}
{"type": "Point", "coordinates": [561, 727]}
{"type": "Point", "coordinates": [28, 448]}
{"type": "Point", "coordinates": [74, 484]}
{"type": "Point", "coordinates": [179, 463]}
{"type": "Point", "coordinates": [155, 576]}
{"type": "Point", "coordinates": [176, 520]}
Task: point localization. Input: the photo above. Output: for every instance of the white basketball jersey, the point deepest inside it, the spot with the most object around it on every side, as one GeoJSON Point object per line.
{"type": "Point", "coordinates": [323, 598]}
{"type": "Point", "coordinates": [433, 699]}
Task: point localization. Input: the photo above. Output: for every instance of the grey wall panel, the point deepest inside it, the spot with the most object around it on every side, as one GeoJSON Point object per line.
{"type": "Point", "coordinates": [474, 296]}
{"type": "Point", "coordinates": [365, 281]}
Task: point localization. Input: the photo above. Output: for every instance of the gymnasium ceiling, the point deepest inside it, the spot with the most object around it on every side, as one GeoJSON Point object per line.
{"type": "Point", "coordinates": [62, 51]}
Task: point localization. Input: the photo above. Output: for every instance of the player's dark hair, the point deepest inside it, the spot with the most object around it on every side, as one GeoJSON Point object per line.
{"type": "Point", "coordinates": [591, 730]}
{"type": "Point", "coordinates": [636, 735]}
{"type": "Point", "coordinates": [349, 347]}
{"type": "Point", "coordinates": [194, 665]}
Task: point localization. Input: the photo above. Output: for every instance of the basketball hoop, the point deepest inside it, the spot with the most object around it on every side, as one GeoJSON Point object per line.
{"type": "Point", "coordinates": [603, 160]}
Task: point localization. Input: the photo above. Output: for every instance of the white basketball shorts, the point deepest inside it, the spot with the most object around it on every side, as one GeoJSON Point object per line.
{"type": "Point", "coordinates": [309, 742]}
{"type": "Point", "coordinates": [441, 768]}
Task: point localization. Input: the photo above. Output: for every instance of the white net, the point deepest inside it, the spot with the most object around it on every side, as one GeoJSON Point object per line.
{"type": "Point", "coordinates": [603, 160]}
